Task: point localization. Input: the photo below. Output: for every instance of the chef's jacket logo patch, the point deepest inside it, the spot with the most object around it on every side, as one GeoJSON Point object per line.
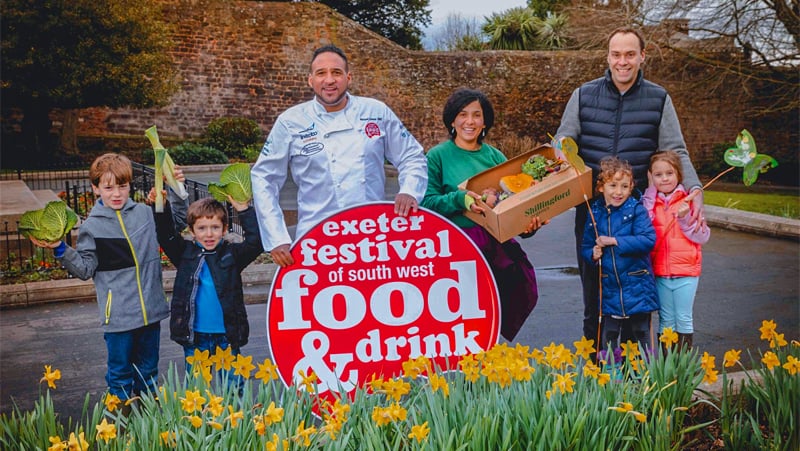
{"type": "Point", "coordinates": [312, 148]}
{"type": "Point", "coordinates": [371, 129]}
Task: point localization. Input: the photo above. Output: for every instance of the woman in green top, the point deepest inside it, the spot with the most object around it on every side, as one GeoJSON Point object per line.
{"type": "Point", "coordinates": [468, 115]}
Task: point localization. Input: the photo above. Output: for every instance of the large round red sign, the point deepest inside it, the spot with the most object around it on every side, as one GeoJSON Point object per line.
{"type": "Point", "coordinates": [370, 290]}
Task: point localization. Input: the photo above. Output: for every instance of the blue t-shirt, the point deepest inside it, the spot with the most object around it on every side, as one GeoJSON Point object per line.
{"type": "Point", "coordinates": [208, 314]}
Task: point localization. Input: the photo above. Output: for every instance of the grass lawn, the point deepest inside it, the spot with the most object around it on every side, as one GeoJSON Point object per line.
{"type": "Point", "coordinates": [786, 205]}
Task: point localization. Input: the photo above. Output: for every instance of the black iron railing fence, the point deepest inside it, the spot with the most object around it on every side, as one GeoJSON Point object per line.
{"type": "Point", "coordinates": [18, 256]}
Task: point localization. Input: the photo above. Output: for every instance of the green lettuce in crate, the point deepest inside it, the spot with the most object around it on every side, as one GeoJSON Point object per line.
{"type": "Point", "coordinates": [50, 223]}
{"type": "Point", "coordinates": [234, 180]}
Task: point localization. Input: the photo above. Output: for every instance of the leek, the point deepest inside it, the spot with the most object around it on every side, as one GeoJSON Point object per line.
{"type": "Point", "coordinates": [165, 168]}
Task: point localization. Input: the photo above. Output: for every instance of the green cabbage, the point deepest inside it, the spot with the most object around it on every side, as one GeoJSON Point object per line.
{"type": "Point", "coordinates": [234, 180]}
{"type": "Point", "coordinates": [165, 168]}
{"type": "Point", "coordinates": [50, 223]}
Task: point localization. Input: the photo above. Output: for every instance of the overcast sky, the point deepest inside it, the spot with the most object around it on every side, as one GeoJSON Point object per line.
{"type": "Point", "coordinates": [479, 9]}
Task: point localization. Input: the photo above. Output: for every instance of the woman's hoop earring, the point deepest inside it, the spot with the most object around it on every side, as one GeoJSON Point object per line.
{"type": "Point", "coordinates": [453, 131]}
{"type": "Point", "coordinates": [483, 133]}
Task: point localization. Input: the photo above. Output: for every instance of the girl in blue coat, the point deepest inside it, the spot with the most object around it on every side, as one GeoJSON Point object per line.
{"type": "Point", "coordinates": [620, 242]}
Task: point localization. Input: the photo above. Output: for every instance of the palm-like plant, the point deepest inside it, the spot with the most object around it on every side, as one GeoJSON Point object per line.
{"type": "Point", "coordinates": [514, 29]}
{"type": "Point", "coordinates": [553, 31]}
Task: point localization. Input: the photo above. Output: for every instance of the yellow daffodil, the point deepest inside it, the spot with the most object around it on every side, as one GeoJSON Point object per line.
{"type": "Point", "coordinates": [77, 443]}
{"type": "Point", "coordinates": [419, 432]}
{"type": "Point", "coordinates": [214, 405]}
{"type": "Point", "coordinates": [199, 358]}
{"type": "Point", "coordinates": [273, 414]}
{"type": "Point", "coordinates": [340, 409]}
{"type": "Point", "coordinates": [564, 383]}
{"type": "Point", "coordinates": [169, 438]}
{"type": "Point", "coordinates": [439, 383]}
{"type": "Point", "coordinates": [640, 417]}
{"type": "Point", "coordinates": [548, 394]}
{"type": "Point", "coordinates": [792, 365]}
{"type": "Point", "coordinates": [381, 416]}
{"type": "Point", "coordinates": [106, 431]}
{"type": "Point", "coordinates": [396, 388]}
{"type": "Point", "coordinates": [267, 371]}
{"type": "Point", "coordinates": [777, 340]}
{"type": "Point", "coordinates": [668, 337]}
{"type": "Point", "coordinates": [50, 376]}
{"type": "Point", "coordinates": [412, 369]}
{"type": "Point", "coordinates": [56, 444]}
{"type": "Point", "coordinates": [590, 369]}
{"type": "Point", "coordinates": [603, 378]}
{"type": "Point", "coordinates": [584, 348]}
{"type": "Point", "coordinates": [195, 420]}
{"type": "Point", "coordinates": [223, 358]}
{"type": "Point", "coordinates": [273, 444]}
{"type": "Point", "coordinates": [537, 355]}
{"type": "Point", "coordinates": [304, 434]}
{"type": "Point", "coordinates": [707, 361]}
{"type": "Point", "coordinates": [234, 416]}
{"type": "Point", "coordinates": [203, 371]}
{"type": "Point", "coordinates": [622, 407]}
{"type": "Point", "coordinates": [710, 376]}
{"type": "Point", "coordinates": [397, 412]}
{"type": "Point", "coordinates": [770, 360]}
{"type": "Point", "coordinates": [259, 425]}
{"type": "Point", "coordinates": [243, 366]}
{"type": "Point", "coordinates": [375, 383]}
{"type": "Point", "coordinates": [111, 402]}
{"type": "Point", "coordinates": [637, 365]}
{"type": "Point", "coordinates": [193, 401]}
{"type": "Point", "coordinates": [307, 381]}
{"type": "Point", "coordinates": [731, 357]}
{"type": "Point", "coordinates": [767, 329]}
{"type": "Point", "coordinates": [215, 425]}
{"type": "Point", "coordinates": [630, 350]}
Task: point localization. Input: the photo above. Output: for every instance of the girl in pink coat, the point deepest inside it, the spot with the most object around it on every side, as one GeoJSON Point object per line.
{"type": "Point", "coordinates": [677, 257]}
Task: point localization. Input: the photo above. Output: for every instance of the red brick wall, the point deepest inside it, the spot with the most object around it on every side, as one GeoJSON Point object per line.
{"type": "Point", "coordinates": [251, 59]}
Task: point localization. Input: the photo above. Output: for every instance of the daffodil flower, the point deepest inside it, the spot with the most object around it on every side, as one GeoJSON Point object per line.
{"type": "Point", "coordinates": [439, 383]}
{"type": "Point", "coordinates": [273, 414]}
{"type": "Point", "coordinates": [234, 416]}
{"type": "Point", "coordinates": [307, 381]}
{"type": "Point", "coordinates": [584, 348]}
{"type": "Point", "coordinates": [111, 402]}
{"type": "Point", "coordinates": [214, 405]}
{"type": "Point", "coordinates": [243, 366]}
{"type": "Point", "coordinates": [668, 337]}
{"type": "Point", "coordinates": [77, 443]}
{"type": "Point", "coordinates": [304, 434]}
{"type": "Point", "coordinates": [767, 329]}
{"type": "Point", "coordinates": [50, 376]}
{"type": "Point", "coordinates": [419, 432]}
{"type": "Point", "coordinates": [223, 358]}
{"type": "Point", "coordinates": [770, 360]}
{"type": "Point", "coordinates": [106, 431]}
{"type": "Point", "coordinates": [710, 376]}
{"type": "Point", "coordinates": [56, 444]}
{"type": "Point", "coordinates": [792, 365]}
{"type": "Point", "coordinates": [731, 357]}
{"type": "Point", "coordinates": [777, 340]}
{"type": "Point", "coordinates": [168, 438]}
{"type": "Point", "coordinates": [194, 420]}
{"type": "Point", "coordinates": [267, 371]}
{"type": "Point", "coordinates": [193, 401]}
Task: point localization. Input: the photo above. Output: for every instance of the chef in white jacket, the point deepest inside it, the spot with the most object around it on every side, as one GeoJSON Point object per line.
{"type": "Point", "coordinates": [335, 147]}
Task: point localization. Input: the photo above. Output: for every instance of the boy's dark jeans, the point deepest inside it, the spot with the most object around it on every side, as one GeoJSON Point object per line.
{"type": "Point", "coordinates": [133, 361]}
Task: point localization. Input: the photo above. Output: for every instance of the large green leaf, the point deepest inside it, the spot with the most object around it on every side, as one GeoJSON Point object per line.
{"type": "Point", "coordinates": [234, 181]}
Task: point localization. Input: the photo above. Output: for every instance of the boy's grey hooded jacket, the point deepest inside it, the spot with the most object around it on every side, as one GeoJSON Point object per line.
{"type": "Point", "coordinates": [118, 248]}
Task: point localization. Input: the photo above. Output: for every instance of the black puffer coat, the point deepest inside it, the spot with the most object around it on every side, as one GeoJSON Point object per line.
{"type": "Point", "coordinates": [225, 263]}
